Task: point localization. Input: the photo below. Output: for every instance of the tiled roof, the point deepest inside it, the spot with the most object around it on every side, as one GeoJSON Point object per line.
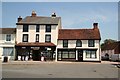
{"type": "Point", "coordinates": [112, 46]}
{"type": "Point", "coordinates": [79, 34]}
{"type": "Point", "coordinates": [35, 44]}
{"type": "Point", "coordinates": [39, 20]}
{"type": "Point", "coordinates": [7, 30]}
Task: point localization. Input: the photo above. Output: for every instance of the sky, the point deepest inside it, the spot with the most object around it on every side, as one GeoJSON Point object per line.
{"type": "Point", "coordinates": [73, 14]}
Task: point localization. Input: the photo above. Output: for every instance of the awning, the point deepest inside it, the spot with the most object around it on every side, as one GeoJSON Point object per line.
{"type": "Point", "coordinates": [35, 44]}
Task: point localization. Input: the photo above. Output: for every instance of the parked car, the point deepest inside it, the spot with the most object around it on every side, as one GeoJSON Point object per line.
{"type": "Point", "coordinates": [115, 57]}
{"type": "Point", "coordinates": [105, 58]}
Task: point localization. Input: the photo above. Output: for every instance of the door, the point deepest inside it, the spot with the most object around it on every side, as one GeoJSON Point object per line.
{"type": "Point", "coordinates": [80, 55]}
{"type": "Point", "coordinates": [36, 55]}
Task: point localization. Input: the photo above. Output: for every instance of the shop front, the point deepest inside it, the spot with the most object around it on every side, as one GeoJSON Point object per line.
{"type": "Point", "coordinates": [35, 51]}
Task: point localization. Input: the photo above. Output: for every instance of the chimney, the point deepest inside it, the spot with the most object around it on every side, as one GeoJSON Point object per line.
{"type": "Point", "coordinates": [95, 25]}
{"type": "Point", "coordinates": [53, 15]}
{"type": "Point", "coordinates": [19, 18]}
{"type": "Point", "coordinates": [33, 14]}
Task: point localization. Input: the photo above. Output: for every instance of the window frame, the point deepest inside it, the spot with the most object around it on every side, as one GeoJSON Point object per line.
{"type": "Point", "coordinates": [37, 28]}
{"type": "Point", "coordinates": [37, 39]}
{"type": "Point", "coordinates": [25, 28]}
{"type": "Point", "coordinates": [24, 36]}
{"type": "Point", "coordinates": [91, 44]}
{"type": "Point", "coordinates": [8, 37]}
{"type": "Point", "coordinates": [48, 28]}
{"type": "Point", "coordinates": [78, 42]}
{"type": "Point", "coordinates": [65, 44]}
{"type": "Point", "coordinates": [46, 38]}
{"type": "Point", "coordinates": [91, 52]}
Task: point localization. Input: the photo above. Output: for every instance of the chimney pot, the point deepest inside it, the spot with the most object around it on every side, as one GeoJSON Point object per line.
{"type": "Point", "coordinates": [53, 15]}
{"type": "Point", "coordinates": [33, 14]}
{"type": "Point", "coordinates": [19, 18]}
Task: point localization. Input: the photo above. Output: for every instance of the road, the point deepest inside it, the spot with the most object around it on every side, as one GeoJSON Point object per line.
{"type": "Point", "coordinates": [59, 70]}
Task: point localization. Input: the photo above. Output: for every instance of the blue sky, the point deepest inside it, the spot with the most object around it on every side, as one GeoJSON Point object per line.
{"type": "Point", "coordinates": [73, 14]}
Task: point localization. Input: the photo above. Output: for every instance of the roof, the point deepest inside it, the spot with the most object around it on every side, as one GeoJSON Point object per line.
{"type": "Point", "coordinates": [39, 20]}
{"type": "Point", "coordinates": [35, 44]}
{"type": "Point", "coordinates": [7, 30]}
{"type": "Point", "coordinates": [111, 46]}
{"type": "Point", "coordinates": [84, 34]}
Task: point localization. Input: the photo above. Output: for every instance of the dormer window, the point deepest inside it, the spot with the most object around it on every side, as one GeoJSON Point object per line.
{"type": "Point", "coordinates": [8, 37]}
{"type": "Point", "coordinates": [78, 43]}
{"type": "Point", "coordinates": [48, 28]}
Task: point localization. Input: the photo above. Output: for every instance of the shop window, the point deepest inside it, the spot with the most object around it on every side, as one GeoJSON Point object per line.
{"type": "Point", "coordinates": [90, 53]}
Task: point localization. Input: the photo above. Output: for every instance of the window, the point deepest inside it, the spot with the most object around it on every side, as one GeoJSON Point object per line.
{"type": "Point", "coordinates": [90, 53]}
{"type": "Point", "coordinates": [48, 28]}
{"type": "Point", "coordinates": [59, 55]}
{"type": "Point", "coordinates": [91, 43]}
{"type": "Point", "coordinates": [65, 54]}
{"type": "Point", "coordinates": [25, 37]}
{"type": "Point", "coordinates": [37, 28]}
{"type": "Point", "coordinates": [8, 37]}
{"type": "Point", "coordinates": [8, 51]}
{"type": "Point", "coordinates": [71, 54]}
{"type": "Point", "coordinates": [37, 37]}
{"type": "Point", "coordinates": [65, 43]}
{"type": "Point", "coordinates": [25, 28]}
{"type": "Point", "coordinates": [78, 43]}
{"type": "Point", "coordinates": [47, 38]}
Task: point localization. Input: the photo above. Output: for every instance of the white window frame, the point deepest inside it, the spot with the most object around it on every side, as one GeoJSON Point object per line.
{"type": "Point", "coordinates": [9, 37]}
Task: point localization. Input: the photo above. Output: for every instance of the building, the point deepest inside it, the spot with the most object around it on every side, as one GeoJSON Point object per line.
{"type": "Point", "coordinates": [37, 36]}
{"type": "Point", "coordinates": [110, 49]}
{"type": "Point", "coordinates": [79, 44]}
{"type": "Point", "coordinates": [7, 43]}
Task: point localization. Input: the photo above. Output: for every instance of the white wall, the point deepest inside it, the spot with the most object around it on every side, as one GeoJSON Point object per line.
{"type": "Point", "coordinates": [72, 44]}
{"type": "Point", "coordinates": [4, 43]}
{"type": "Point", "coordinates": [32, 33]}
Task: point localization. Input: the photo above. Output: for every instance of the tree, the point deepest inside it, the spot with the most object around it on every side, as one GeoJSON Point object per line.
{"type": "Point", "coordinates": [107, 41]}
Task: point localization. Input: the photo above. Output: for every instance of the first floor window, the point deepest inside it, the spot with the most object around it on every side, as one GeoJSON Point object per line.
{"type": "Point", "coordinates": [8, 37]}
{"type": "Point", "coordinates": [48, 28]}
{"type": "Point", "coordinates": [25, 37]}
{"type": "Point", "coordinates": [91, 43]}
{"type": "Point", "coordinates": [25, 28]}
{"type": "Point", "coordinates": [8, 51]}
{"type": "Point", "coordinates": [47, 38]}
{"type": "Point", "coordinates": [65, 43]}
{"type": "Point", "coordinates": [90, 53]}
{"type": "Point", "coordinates": [78, 43]}
{"type": "Point", "coordinates": [37, 28]}
{"type": "Point", "coordinates": [37, 37]}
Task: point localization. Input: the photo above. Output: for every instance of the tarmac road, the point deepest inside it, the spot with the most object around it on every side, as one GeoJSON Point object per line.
{"type": "Point", "coordinates": [58, 70]}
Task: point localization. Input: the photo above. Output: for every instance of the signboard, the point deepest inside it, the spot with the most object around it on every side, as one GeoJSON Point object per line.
{"type": "Point", "coordinates": [35, 48]}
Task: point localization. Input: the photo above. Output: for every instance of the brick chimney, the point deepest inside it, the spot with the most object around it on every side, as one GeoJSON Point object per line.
{"type": "Point", "coordinates": [95, 25]}
{"type": "Point", "coordinates": [19, 18]}
{"type": "Point", "coordinates": [53, 15]}
{"type": "Point", "coordinates": [33, 14]}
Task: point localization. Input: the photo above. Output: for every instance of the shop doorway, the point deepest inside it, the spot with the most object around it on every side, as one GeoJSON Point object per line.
{"type": "Point", "coordinates": [80, 55]}
{"type": "Point", "coordinates": [36, 56]}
